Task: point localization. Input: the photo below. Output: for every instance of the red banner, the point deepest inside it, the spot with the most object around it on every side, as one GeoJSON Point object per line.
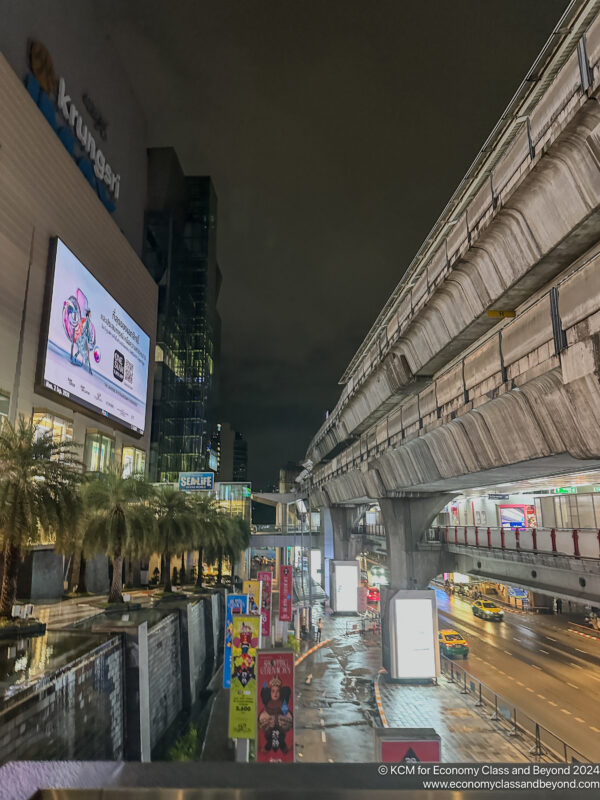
{"type": "Point", "coordinates": [265, 606]}
{"type": "Point", "coordinates": [286, 575]}
{"type": "Point", "coordinates": [275, 730]}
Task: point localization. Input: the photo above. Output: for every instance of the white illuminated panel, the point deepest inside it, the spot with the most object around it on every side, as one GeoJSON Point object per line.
{"type": "Point", "coordinates": [414, 635]}
{"type": "Point", "coordinates": [345, 587]}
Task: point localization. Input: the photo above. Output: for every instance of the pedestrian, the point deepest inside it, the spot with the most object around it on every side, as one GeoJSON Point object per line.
{"type": "Point", "coordinates": [319, 629]}
{"type": "Point", "coordinates": [558, 605]}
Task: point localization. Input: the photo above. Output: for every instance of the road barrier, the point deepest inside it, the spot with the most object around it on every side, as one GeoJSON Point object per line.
{"type": "Point", "coordinates": [514, 721]}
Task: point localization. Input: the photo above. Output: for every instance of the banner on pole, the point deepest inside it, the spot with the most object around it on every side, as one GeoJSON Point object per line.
{"type": "Point", "coordinates": [285, 593]}
{"type": "Point", "coordinates": [253, 590]}
{"type": "Point", "coordinates": [237, 604]}
{"type": "Point", "coordinates": [265, 607]}
{"type": "Point", "coordinates": [275, 706]}
{"type": "Point", "coordinates": [242, 698]}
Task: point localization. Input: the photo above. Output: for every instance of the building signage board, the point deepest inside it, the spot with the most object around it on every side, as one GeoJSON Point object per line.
{"type": "Point", "coordinates": [286, 576]}
{"type": "Point", "coordinates": [95, 354]}
{"type": "Point", "coordinates": [242, 698]}
{"type": "Point", "coordinates": [196, 481]}
{"type": "Point", "coordinates": [237, 605]}
{"type": "Point", "coordinates": [413, 635]}
{"type": "Point", "coordinates": [254, 591]}
{"type": "Point", "coordinates": [275, 706]}
{"type": "Point", "coordinates": [266, 578]}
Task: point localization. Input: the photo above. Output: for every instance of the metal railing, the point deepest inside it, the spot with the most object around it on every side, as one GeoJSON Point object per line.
{"type": "Point", "coordinates": [368, 530]}
{"type": "Point", "coordinates": [544, 743]}
{"type": "Point", "coordinates": [573, 542]}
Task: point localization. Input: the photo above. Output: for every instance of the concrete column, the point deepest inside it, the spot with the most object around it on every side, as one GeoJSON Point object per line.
{"type": "Point", "coordinates": [405, 520]}
{"type": "Point", "coordinates": [338, 544]}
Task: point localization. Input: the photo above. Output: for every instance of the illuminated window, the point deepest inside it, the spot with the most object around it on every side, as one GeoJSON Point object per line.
{"type": "Point", "coordinates": [99, 451]}
{"type": "Point", "coordinates": [46, 423]}
{"type": "Point", "coordinates": [133, 462]}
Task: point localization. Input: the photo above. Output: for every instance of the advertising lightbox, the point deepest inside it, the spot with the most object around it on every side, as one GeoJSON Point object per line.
{"type": "Point", "coordinates": [95, 355]}
{"type": "Point", "coordinates": [413, 632]}
{"type": "Point", "coordinates": [344, 583]}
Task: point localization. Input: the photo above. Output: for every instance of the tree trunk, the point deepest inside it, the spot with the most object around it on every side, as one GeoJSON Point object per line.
{"type": "Point", "coordinates": [199, 576]}
{"type": "Point", "coordinates": [167, 581]}
{"type": "Point", "coordinates": [12, 562]}
{"type": "Point", "coordinates": [116, 587]}
{"type": "Point", "coordinates": [220, 570]}
{"type": "Point", "coordinates": [82, 580]}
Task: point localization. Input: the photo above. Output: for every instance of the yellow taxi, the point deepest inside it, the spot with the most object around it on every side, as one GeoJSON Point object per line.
{"type": "Point", "coordinates": [453, 644]}
{"type": "Point", "coordinates": [485, 609]}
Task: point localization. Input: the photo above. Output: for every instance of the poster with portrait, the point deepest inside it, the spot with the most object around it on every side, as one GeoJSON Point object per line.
{"type": "Point", "coordinates": [237, 604]}
{"type": "Point", "coordinates": [242, 697]}
{"type": "Point", "coordinates": [275, 706]}
{"type": "Point", "coordinates": [266, 579]}
{"type": "Point", "coordinates": [285, 592]}
{"type": "Point", "coordinates": [254, 591]}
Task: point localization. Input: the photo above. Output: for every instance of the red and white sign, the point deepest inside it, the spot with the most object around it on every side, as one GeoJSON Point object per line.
{"type": "Point", "coordinates": [275, 728]}
{"type": "Point", "coordinates": [407, 752]}
{"type": "Point", "coordinates": [265, 605]}
{"type": "Point", "coordinates": [286, 575]}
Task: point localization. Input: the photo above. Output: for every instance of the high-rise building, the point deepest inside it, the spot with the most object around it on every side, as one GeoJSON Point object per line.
{"type": "Point", "coordinates": [180, 253]}
{"type": "Point", "coordinates": [240, 457]}
{"type": "Point", "coordinates": [233, 454]}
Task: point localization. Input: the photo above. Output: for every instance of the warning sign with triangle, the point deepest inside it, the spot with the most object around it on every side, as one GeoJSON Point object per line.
{"type": "Point", "coordinates": [410, 756]}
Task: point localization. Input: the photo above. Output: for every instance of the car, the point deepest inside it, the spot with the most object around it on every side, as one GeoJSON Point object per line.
{"type": "Point", "coordinates": [453, 644]}
{"type": "Point", "coordinates": [373, 594]}
{"type": "Point", "coordinates": [485, 609]}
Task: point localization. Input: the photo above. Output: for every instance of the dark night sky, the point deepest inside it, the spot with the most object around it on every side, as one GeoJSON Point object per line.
{"type": "Point", "coordinates": [335, 131]}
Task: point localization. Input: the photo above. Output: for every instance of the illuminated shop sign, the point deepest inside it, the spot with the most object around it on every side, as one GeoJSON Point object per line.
{"type": "Point", "coordinates": [75, 135]}
{"type": "Point", "coordinates": [196, 481]}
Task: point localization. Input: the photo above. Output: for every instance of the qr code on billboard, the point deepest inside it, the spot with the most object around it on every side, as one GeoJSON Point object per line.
{"type": "Point", "coordinates": [128, 371]}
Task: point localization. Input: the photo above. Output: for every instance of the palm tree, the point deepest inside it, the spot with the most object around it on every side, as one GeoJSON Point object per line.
{"type": "Point", "coordinates": [177, 524]}
{"type": "Point", "coordinates": [207, 514]}
{"type": "Point", "coordinates": [239, 539]}
{"type": "Point", "coordinates": [120, 521]}
{"type": "Point", "coordinates": [39, 480]}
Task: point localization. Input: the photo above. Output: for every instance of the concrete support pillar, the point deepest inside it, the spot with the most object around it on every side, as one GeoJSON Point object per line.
{"type": "Point", "coordinates": [338, 544]}
{"type": "Point", "coordinates": [405, 520]}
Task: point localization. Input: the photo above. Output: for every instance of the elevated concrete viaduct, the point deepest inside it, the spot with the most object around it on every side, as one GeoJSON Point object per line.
{"type": "Point", "coordinates": [484, 365]}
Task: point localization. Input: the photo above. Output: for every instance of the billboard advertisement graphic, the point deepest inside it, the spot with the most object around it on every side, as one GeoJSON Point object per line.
{"type": "Point", "coordinates": [285, 593]}
{"type": "Point", "coordinates": [237, 604]}
{"type": "Point", "coordinates": [242, 698]}
{"type": "Point", "coordinates": [275, 706]}
{"type": "Point", "coordinates": [265, 607]}
{"type": "Point", "coordinates": [96, 354]}
{"type": "Point", "coordinates": [253, 590]}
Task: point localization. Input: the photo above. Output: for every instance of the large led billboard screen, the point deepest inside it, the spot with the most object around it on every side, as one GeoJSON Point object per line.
{"type": "Point", "coordinates": [344, 586]}
{"type": "Point", "coordinates": [95, 355]}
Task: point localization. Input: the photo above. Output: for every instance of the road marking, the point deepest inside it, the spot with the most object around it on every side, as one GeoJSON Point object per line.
{"type": "Point", "coordinates": [535, 666]}
{"type": "Point", "coordinates": [594, 677]}
{"type": "Point", "coordinates": [541, 696]}
{"type": "Point", "coordinates": [544, 651]}
{"type": "Point", "coordinates": [572, 685]}
{"type": "Point", "coordinates": [552, 703]}
{"type": "Point", "coordinates": [322, 721]}
{"type": "Point", "coordinates": [530, 690]}
{"type": "Point", "coordinates": [575, 665]}
{"type": "Point", "coordinates": [330, 760]}
{"type": "Point", "coordinates": [508, 653]}
{"type": "Point", "coordinates": [578, 719]}
{"type": "Point", "coordinates": [579, 650]}
{"type": "Point", "coordinates": [323, 737]}
{"type": "Point", "coordinates": [520, 684]}
{"type": "Point", "coordinates": [301, 755]}
{"type": "Point", "coordinates": [564, 711]}
{"type": "Point", "coordinates": [510, 677]}
{"type": "Point", "coordinates": [552, 639]}
{"type": "Point", "coordinates": [596, 730]}
{"type": "Point", "coordinates": [501, 671]}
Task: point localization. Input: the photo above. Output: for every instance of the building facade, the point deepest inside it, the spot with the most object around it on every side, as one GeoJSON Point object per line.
{"type": "Point", "coordinates": [180, 254]}
{"type": "Point", "coordinates": [78, 308]}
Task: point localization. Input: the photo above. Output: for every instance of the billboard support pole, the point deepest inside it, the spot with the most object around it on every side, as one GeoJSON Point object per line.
{"type": "Point", "coordinates": [242, 750]}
